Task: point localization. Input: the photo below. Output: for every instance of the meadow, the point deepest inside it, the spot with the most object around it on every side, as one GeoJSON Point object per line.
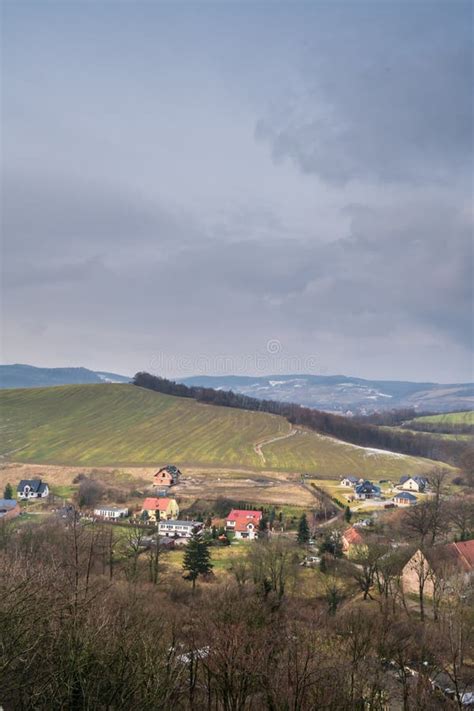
{"type": "Point", "coordinates": [449, 418]}
{"type": "Point", "coordinates": [449, 423]}
{"type": "Point", "coordinates": [113, 425]}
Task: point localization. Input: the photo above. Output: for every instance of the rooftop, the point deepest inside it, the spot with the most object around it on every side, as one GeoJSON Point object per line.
{"type": "Point", "coordinates": [237, 514]}
{"type": "Point", "coordinates": [35, 485]}
{"type": "Point", "coordinates": [7, 503]}
{"type": "Point", "coordinates": [153, 503]}
{"type": "Point", "coordinates": [353, 536]}
{"type": "Point", "coordinates": [177, 522]}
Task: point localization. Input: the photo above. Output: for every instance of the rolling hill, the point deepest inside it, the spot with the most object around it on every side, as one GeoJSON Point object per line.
{"type": "Point", "coordinates": [343, 394]}
{"type": "Point", "coordinates": [332, 393]}
{"type": "Point", "coordinates": [29, 376]}
{"type": "Point", "coordinates": [123, 425]}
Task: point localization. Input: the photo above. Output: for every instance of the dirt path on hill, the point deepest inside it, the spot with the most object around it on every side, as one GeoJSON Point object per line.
{"type": "Point", "coordinates": [257, 448]}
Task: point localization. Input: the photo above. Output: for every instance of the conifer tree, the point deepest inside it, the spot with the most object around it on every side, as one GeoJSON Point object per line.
{"type": "Point", "coordinates": [303, 530]}
{"type": "Point", "coordinates": [8, 491]}
{"type": "Point", "coordinates": [197, 559]}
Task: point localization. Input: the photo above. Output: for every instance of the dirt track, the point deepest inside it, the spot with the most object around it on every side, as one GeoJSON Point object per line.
{"type": "Point", "coordinates": [258, 446]}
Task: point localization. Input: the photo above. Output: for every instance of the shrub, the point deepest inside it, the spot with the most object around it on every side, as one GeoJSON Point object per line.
{"type": "Point", "coordinates": [90, 492]}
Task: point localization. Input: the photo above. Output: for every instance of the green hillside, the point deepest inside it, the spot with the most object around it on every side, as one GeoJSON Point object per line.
{"type": "Point", "coordinates": [327, 457]}
{"type": "Point", "coordinates": [449, 423]}
{"type": "Point", "coordinates": [122, 425]}
{"type": "Point", "coordinates": [448, 418]}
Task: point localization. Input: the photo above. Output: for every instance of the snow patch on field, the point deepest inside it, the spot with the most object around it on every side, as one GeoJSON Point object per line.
{"type": "Point", "coordinates": [370, 451]}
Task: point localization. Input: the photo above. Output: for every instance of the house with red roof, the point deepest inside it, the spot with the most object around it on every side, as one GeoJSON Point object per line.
{"type": "Point", "coordinates": [161, 508]}
{"type": "Point", "coordinates": [463, 553]}
{"type": "Point", "coordinates": [350, 538]}
{"type": "Point", "coordinates": [451, 560]}
{"type": "Point", "coordinates": [244, 524]}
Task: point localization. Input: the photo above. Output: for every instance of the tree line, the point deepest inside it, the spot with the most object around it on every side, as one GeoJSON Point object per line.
{"type": "Point", "coordinates": [350, 430]}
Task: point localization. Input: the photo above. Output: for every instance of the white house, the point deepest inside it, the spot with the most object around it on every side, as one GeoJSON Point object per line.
{"type": "Point", "coordinates": [404, 498]}
{"type": "Point", "coordinates": [244, 524]}
{"type": "Point", "coordinates": [413, 483]}
{"type": "Point", "coordinates": [111, 512]}
{"type": "Point", "coordinates": [32, 489]}
{"type": "Point", "coordinates": [367, 490]}
{"type": "Point", "coordinates": [179, 529]}
{"type": "Point", "coordinates": [351, 481]}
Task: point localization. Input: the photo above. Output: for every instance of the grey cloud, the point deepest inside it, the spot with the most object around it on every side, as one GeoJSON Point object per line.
{"type": "Point", "coordinates": [361, 254]}
{"type": "Point", "coordinates": [70, 218]}
{"type": "Point", "coordinates": [388, 97]}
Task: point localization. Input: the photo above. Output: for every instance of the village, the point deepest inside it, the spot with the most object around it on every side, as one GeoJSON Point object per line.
{"type": "Point", "coordinates": [352, 530]}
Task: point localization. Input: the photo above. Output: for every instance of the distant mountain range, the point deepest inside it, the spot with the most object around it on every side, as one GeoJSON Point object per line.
{"type": "Point", "coordinates": [342, 394]}
{"type": "Point", "coordinates": [333, 393]}
{"type": "Point", "coordinates": [28, 376]}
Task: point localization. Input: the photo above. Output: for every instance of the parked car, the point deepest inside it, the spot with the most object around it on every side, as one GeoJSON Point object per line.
{"type": "Point", "coordinates": [310, 561]}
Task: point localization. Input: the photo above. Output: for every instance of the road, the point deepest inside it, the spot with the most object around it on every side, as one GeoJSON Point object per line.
{"type": "Point", "coordinates": [258, 446]}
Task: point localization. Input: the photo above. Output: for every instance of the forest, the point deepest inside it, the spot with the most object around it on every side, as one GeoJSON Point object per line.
{"type": "Point", "coordinates": [85, 626]}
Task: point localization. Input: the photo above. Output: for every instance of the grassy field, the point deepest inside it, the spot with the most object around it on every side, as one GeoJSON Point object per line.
{"type": "Point", "coordinates": [449, 423]}
{"type": "Point", "coordinates": [126, 426]}
{"type": "Point", "coordinates": [449, 418]}
{"type": "Point", "coordinates": [327, 457]}
{"type": "Point", "coordinates": [453, 437]}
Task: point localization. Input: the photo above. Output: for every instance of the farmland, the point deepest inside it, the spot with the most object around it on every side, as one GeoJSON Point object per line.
{"type": "Point", "coordinates": [450, 418]}
{"type": "Point", "coordinates": [452, 423]}
{"type": "Point", "coordinates": [124, 426]}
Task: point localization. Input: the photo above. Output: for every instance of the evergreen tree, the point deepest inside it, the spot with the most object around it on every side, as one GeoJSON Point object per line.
{"type": "Point", "coordinates": [303, 530]}
{"type": "Point", "coordinates": [8, 491]}
{"type": "Point", "coordinates": [197, 559]}
{"type": "Point", "coordinates": [331, 544]}
{"type": "Point", "coordinates": [272, 517]}
{"type": "Point", "coordinates": [348, 514]}
{"type": "Point", "coordinates": [263, 525]}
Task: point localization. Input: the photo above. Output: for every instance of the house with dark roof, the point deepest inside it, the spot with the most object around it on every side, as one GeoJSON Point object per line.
{"type": "Point", "coordinates": [167, 476]}
{"type": "Point", "coordinates": [351, 481]}
{"type": "Point", "coordinates": [32, 489]}
{"type": "Point", "coordinates": [404, 498]}
{"type": "Point", "coordinates": [9, 508]}
{"type": "Point", "coordinates": [413, 483]}
{"type": "Point", "coordinates": [367, 490]}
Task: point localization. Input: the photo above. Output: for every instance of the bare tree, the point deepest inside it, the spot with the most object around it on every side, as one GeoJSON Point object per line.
{"type": "Point", "coordinates": [437, 504]}
{"type": "Point", "coordinates": [154, 558]}
{"type": "Point", "coordinates": [135, 546]}
{"type": "Point", "coordinates": [461, 516]}
{"type": "Point", "coordinates": [417, 520]}
{"type": "Point", "coordinates": [366, 562]}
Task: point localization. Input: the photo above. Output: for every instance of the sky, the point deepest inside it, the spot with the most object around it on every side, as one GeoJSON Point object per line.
{"type": "Point", "coordinates": [244, 187]}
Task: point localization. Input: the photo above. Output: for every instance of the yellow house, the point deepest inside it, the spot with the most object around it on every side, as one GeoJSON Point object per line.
{"type": "Point", "coordinates": [160, 507]}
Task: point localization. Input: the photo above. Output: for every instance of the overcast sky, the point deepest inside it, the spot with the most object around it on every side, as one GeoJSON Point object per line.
{"type": "Point", "coordinates": [239, 187]}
